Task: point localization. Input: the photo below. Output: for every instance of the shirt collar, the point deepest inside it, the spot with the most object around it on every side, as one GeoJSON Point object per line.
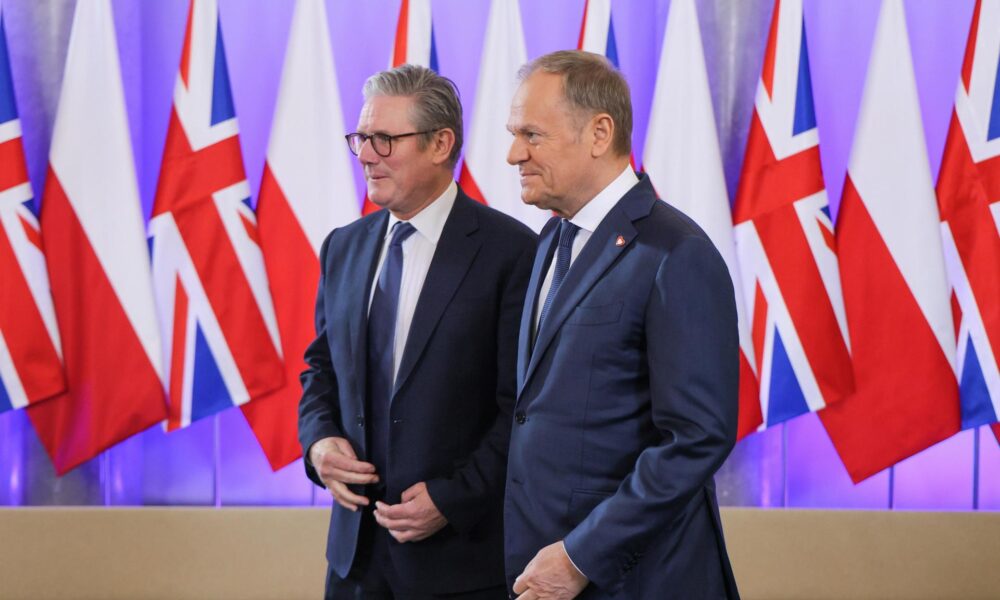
{"type": "Point", "coordinates": [429, 222]}
{"type": "Point", "coordinates": [593, 212]}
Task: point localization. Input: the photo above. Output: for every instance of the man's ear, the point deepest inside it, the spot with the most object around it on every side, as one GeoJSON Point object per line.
{"type": "Point", "coordinates": [602, 129]}
{"type": "Point", "coordinates": [441, 144]}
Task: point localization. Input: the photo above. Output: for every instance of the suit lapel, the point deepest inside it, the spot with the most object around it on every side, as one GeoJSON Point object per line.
{"type": "Point", "coordinates": [543, 257]}
{"type": "Point", "coordinates": [452, 258]}
{"type": "Point", "coordinates": [360, 273]}
{"type": "Point", "coordinates": [597, 256]}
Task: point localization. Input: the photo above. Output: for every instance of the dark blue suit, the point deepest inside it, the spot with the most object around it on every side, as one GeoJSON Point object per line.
{"type": "Point", "coordinates": [451, 407]}
{"type": "Point", "coordinates": [626, 407]}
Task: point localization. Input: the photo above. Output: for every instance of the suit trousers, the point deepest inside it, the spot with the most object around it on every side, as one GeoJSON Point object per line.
{"type": "Point", "coordinates": [373, 576]}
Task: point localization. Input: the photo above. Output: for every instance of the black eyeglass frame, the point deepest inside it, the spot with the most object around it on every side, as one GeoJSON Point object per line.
{"type": "Point", "coordinates": [388, 139]}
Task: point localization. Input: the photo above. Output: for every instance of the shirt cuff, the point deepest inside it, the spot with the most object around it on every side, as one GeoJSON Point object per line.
{"type": "Point", "coordinates": [573, 563]}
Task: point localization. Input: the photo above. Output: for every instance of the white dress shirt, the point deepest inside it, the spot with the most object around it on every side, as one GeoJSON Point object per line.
{"type": "Point", "coordinates": [587, 219]}
{"type": "Point", "coordinates": [418, 251]}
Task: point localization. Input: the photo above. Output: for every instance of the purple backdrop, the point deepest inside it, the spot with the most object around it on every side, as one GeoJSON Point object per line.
{"type": "Point", "coordinates": [218, 461]}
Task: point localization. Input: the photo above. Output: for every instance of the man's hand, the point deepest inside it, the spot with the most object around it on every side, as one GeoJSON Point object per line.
{"type": "Point", "coordinates": [414, 519]}
{"type": "Point", "coordinates": [550, 574]}
{"type": "Point", "coordinates": [337, 465]}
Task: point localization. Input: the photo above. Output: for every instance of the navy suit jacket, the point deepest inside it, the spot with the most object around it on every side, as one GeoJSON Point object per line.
{"type": "Point", "coordinates": [451, 407]}
{"type": "Point", "coordinates": [626, 407]}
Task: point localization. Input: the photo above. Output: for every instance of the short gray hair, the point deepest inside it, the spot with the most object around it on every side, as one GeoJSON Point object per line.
{"type": "Point", "coordinates": [592, 85]}
{"type": "Point", "coordinates": [436, 100]}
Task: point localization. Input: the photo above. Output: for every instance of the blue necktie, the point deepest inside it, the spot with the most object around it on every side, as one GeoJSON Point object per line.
{"type": "Point", "coordinates": [381, 338]}
{"type": "Point", "coordinates": [567, 231]}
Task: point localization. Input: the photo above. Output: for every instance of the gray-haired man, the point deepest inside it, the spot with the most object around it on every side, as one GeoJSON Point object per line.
{"type": "Point", "coordinates": [406, 407]}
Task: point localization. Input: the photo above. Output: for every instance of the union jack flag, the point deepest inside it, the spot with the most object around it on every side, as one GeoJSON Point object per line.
{"type": "Point", "coordinates": [220, 335]}
{"type": "Point", "coordinates": [968, 192]}
{"type": "Point", "coordinates": [30, 352]}
{"type": "Point", "coordinates": [784, 238]}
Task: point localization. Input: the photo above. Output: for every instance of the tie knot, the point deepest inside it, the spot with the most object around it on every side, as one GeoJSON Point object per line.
{"type": "Point", "coordinates": [567, 231]}
{"type": "Point", "coordinates": [400, 231]}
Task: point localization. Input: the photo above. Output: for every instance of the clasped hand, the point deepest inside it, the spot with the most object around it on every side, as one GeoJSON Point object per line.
{"type": "Point", "coordinates": [415, 518]}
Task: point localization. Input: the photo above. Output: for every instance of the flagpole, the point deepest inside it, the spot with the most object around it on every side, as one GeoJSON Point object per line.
{"type": "Point", "coordinates": [216, 461]}
{"type": "Point", "coordinates": [892, 487]}
{"type": "Point", "coordinates": [975, 468]}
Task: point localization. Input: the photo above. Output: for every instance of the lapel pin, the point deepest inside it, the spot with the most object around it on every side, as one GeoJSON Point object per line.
{"type": "Point", "coordinates": [620, 241]}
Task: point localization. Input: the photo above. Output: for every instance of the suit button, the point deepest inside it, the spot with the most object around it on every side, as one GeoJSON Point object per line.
{"type": "Point", "coordinates": [520, 417]}
{"type": "Point", "coordinates": [361, 421]}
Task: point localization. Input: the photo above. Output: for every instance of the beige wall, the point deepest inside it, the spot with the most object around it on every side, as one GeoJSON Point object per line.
{"type": "Point", "coordinates": [181, 553]}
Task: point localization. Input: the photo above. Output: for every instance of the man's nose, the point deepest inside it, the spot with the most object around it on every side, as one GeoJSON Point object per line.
{"type": "Point", "coordinates": [517, 153]}
{"type": "Point", "coordinates": [367, 154]}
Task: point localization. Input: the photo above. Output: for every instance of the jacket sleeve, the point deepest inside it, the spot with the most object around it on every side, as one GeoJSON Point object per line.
{"type": "Point", "coordinates": [464, 497]}
{"type": "Point", "coordinates": [319, 412]}
{"type": "Point", "coordinates": [692, 348]}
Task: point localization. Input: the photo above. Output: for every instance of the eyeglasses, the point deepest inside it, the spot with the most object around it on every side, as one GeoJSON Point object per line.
{"type": "Point", "coordinates": [381, 142]}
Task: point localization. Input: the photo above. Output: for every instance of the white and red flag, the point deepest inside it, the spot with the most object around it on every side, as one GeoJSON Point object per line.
{"type": "Point", "coordinates": [597, 32]}
{"type": "Point", "coordinates": [220, 335]}
{"type": "Point", "coordinates": [784, 238]}
{"type": "Point", "coordinates": [97, 258]}
{"type": "Point", "coordinates": [307, 190]}
{"type": "Point", "coordinates": [683, 160]}
{"type": "Point", "coordinates": [485, 174]}
{"type": "Point", "coordinates": [893, 274]}
{"type": "Point", "coordinates": [968, 192]}
{"type": "Point", "coordinates": [414, 44]}
{"type": "Point", "coordinates": [30, 353]}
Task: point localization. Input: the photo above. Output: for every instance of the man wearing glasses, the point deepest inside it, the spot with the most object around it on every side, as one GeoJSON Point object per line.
{"type": "Point", "coordinates": [406, 407]}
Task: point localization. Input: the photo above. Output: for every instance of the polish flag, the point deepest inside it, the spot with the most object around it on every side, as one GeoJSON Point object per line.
{"type": "Point", "coordinates": [968, 194]}
{"type": "Point", "coordinates": [217, 320]}
{"type": "Point", "coordinates": [485, 174]}
{"type": "Point", "coordinates": [683, 161]}
{"type": "Point", "coordinates": [98, 264]}
{"type": "Point", "coordinates": [784, 238]}
{"type": "Point", "coordinates": [893, 273]}
{"type": "Point", "coordinates": [414, 44]}
{"type": "Point", "coordinates": [307, 190]}
{"type": "Point", "coordinates": [30, 353]}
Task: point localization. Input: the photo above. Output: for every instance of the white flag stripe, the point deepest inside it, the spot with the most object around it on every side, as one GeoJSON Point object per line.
{"type": "Point", "coordinates": [10, 130]}
{"type": "Point", "coordinates": [11, 380]}
{"type": "Point", "coordinates": [773, 111]}
{"type": "Point", "coordinates": [30, 258]}
{"type": "Point", "coordinates": [231, 206]}
{"type": "Point", "coordinates": [972, 321]}
{"type": "Point", "coordinates": [307, 153]}
{"type": "Point", "coordinates": [682, 154]}
{"type": "Point", "coordinates": [103, 190]}
{"type": "Point", "coordinates": [890, 170]}
{"type": "Point", "coordinates": [171, 266]}
{"type": "Point", "coordinates": [489, 141]}
{"type": "Point", "coordinates": [595, 29]}
{"type": "Point", "coordinates": [418, 33]}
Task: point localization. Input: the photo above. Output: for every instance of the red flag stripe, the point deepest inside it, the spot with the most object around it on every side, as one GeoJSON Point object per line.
{"type": "Point", "coordinates": [35, 357]}
{"type": "Point", "coordinates": [175, 418]}
{"type": "Point", "coordinates": [469, 185]}
{"type": "Point", "coordinates": [805, 296]}
{"type": "Point", "coordinates": [98, 341]}
{"type": "Point", "coordinates": [14, 171]}
{"type": "Point", "coordinates": [907, 395]}
{"type": "Point", "coordinates": [293, 271]}
{"type": "Point", "coordinates": [772, 183]}
{"type": "Point", "coordinates": [965, 206]}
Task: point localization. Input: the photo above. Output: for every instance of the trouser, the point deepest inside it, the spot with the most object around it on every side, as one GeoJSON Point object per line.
{"type": "Point", "coordinates": [373, 576]}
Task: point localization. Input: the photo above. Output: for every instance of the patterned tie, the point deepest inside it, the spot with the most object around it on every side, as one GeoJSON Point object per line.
{"type": "Point", "coordinates": [567, 231]}
{"type": "Point", "coordinates": [381, 338]}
